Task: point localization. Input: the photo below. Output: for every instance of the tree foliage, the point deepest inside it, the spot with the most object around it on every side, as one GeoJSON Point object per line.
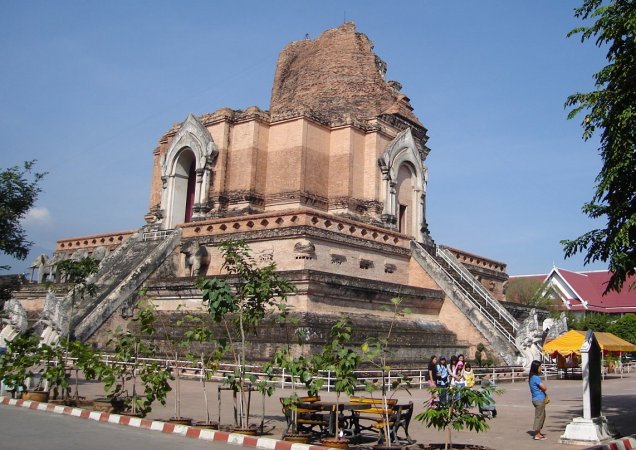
{"type": "Point", "coordinates": [457, 413]}
{"type": "Point", "coordinates": [376, 352]}
{"type": "Point", "coordinates": [77, 272]}
{"type": "Point", "coordinates": [19, 189]}
{"type": "Point", "coordinates": [241, 303]}
{"type": "Point", "coordinates": [338, 357]}
{"type": "Point", "coordinates": [623, 327]}
{"type": "Point", "coordinates": [610, 110]}
{"type": "Point", "coordinates": [590, 321]}
{"type": "Point", "coordinates": [529, 292]}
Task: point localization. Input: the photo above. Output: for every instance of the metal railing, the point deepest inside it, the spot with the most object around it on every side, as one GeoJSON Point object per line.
{"type": "Point", "coordinates": [157, 235]}
{"type": "Point", "coordinates": [466, 276]}
{"type": "Point", "coordinates": [280, 378]}
{"type": "Point", "coordinates": [493, 320]}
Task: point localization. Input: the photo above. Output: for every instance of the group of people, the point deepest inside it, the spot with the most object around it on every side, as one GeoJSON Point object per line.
{"type": "Point", "coordinates": [442, 375]}
{"type": "Point", "coordinates": [459, 373]}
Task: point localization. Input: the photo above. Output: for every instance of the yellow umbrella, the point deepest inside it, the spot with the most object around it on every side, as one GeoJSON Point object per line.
{"type": "Point", "coordinates": [611, 343]}
{"type": "Point", "coordinates": [570, 342]}
{"type": "Point", "coordinates": [566, 344]}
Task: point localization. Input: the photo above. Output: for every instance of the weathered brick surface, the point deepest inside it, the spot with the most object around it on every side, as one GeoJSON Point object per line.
{"type": "Point", "coordinates": [338, 75]}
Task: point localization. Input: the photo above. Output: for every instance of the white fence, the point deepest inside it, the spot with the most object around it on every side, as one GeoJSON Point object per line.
{"type": "Point", "coordinates": [418, 377]}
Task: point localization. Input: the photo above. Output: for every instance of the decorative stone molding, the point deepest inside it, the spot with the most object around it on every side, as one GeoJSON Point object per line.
{"type": "Point", "coordinates": [366, 263]}
{"type": "Point", "coordinates": [266, 255]}
{"type": "Point", "coordinates": [92, 242]}
{"type": "Point", "coordinates": [314, 222]}
{"type": "Point", "coordinates": [476, 260]}
{"type": "Point", "coordinates": [304, 249]}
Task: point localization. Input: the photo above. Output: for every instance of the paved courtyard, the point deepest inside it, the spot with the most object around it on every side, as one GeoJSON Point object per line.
{"type": "Point", "coordinates": [511, 427]}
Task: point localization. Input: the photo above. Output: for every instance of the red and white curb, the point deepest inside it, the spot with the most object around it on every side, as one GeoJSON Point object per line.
{"type": "Point", "coordinates": [164, 427]}
{"type": "Point", "coordinates": [626, 443]}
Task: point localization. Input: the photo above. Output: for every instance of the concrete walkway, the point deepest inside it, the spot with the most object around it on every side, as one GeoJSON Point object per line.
{"type": "Point", "coordinates": [510, 429]}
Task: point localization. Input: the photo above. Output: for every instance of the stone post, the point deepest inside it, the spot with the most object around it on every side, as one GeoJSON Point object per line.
{"type": "Point", "coordinates": [593, 427]}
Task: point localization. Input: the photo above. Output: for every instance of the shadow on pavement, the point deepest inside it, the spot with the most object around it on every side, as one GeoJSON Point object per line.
{"type": "Point", "coordinates": [619, 412]}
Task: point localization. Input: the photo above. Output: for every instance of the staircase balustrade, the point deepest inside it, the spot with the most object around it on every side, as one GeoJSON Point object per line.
{"type": "Point", "coordinates": [157, 235]}
{"type": "Point", "coordinates": [466, 276]}
{"type": "Point", "coordinates": [481, 306]}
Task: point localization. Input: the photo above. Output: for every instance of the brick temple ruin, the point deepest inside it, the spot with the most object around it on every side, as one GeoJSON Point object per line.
{"type": "Point", "coordinates": [330, 184]}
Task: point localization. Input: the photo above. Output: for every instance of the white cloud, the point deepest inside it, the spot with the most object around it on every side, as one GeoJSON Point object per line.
{"type": "Point", "coordinates": [37, 216]}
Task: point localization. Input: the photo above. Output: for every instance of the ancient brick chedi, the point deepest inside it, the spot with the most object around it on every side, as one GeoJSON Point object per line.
{"type": "Point", "coordinates": [330, 184]}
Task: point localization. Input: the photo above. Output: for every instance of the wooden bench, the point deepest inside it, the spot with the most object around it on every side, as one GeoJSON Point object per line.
{"type": "Point", "coordinates": [372, 417]}
{"type": "Point", "coordinates": [401, 418]}
{"type": "Point", "coordinates": [310, 417]}
{"type": "Point", "coordinates": [370, 412]}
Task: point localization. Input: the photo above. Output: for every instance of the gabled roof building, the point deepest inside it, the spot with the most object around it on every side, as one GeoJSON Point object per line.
{"type": "Point", "coordinates": [581, 292]}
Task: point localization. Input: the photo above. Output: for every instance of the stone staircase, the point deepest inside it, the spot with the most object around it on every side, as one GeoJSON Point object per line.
{"type": "Point", "coordinates": [119, 277]}
{"type": "Point", "coordinates": [483, 310]}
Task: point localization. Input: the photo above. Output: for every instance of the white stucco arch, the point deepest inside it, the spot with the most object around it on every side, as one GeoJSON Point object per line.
{"type": "Point", "coordinates": [195, 140]}
{"type": "Point", "coordinates": [402, 153]}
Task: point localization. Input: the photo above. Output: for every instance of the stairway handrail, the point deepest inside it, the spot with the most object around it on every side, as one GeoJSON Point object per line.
{"type": "Point", "coordinates": [157, 234]}
{"type": "Point", "coordinates": [465, 275]}
{"type": "Point", "coordinates": [509, 337]}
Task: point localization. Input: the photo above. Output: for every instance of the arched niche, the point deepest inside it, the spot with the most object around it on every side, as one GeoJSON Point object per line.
{"type": "Point", "coordinates": [186, 174]}
{"type": "Point", "coordinates": [404, 178]}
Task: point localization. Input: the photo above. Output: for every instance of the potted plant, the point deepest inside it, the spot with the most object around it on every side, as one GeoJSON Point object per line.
{"type": "Point", "coordinates": [241, 303]}
{"type": "Point", "coordinates": [89, 362]}
{"type": "Point", "coordinates": [199, 333]}
{"type": "Point", "coordinates": [301, 370]}
{"type": "Point", "coordinates": [19, 363]}
{"type": "Point", "coordinates": [337, 357]}
{"type": "Point", "coordinates": [375, 351]}
{"type": "Point", "coordinates": [131, 367]}
{"type": "Point", "coordinates": [457, 412]}
{"type": "Point", "coordinates": [176, 350]}
{"type": "Point", "coordinates": [54, 378]}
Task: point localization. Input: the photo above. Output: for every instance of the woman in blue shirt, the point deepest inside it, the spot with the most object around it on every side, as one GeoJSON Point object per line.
{"type": "Point", "coordinates": [538, 390]}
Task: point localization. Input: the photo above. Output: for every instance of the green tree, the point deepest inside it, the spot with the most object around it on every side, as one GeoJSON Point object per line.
{"type": "Point", "coordinates": [376, 352]}
{"type": "Point", "coordinates": [76, 273]}
{"type": "Point", "coordinates": [610, 109]}
{"type": "Point", "coordinates": [199, 337]}
{"type": "Point", "coordinates": [625, 328]}
{"type": "Point", "coordinates": [591, 321]}
{"type": "Point", "coordinates": [529, 292]}
{"type": "Point", "coordinates": [342, 360]}
{"type": "Point", "coordinates": [135, 362]}
{"type": "Point", "coordinates": [19, 189]}
{"type": "Point", "coordinates": [456, 413]}
{"type": "Point", "coordinates": [241, 304]}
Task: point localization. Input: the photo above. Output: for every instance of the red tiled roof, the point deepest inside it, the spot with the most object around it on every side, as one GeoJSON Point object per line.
{"type": "Point", "coordinates": [589, 287]}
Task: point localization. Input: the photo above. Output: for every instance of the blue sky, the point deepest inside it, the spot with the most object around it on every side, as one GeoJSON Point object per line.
{"type": "Point", "coordinates": [87, 88]}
